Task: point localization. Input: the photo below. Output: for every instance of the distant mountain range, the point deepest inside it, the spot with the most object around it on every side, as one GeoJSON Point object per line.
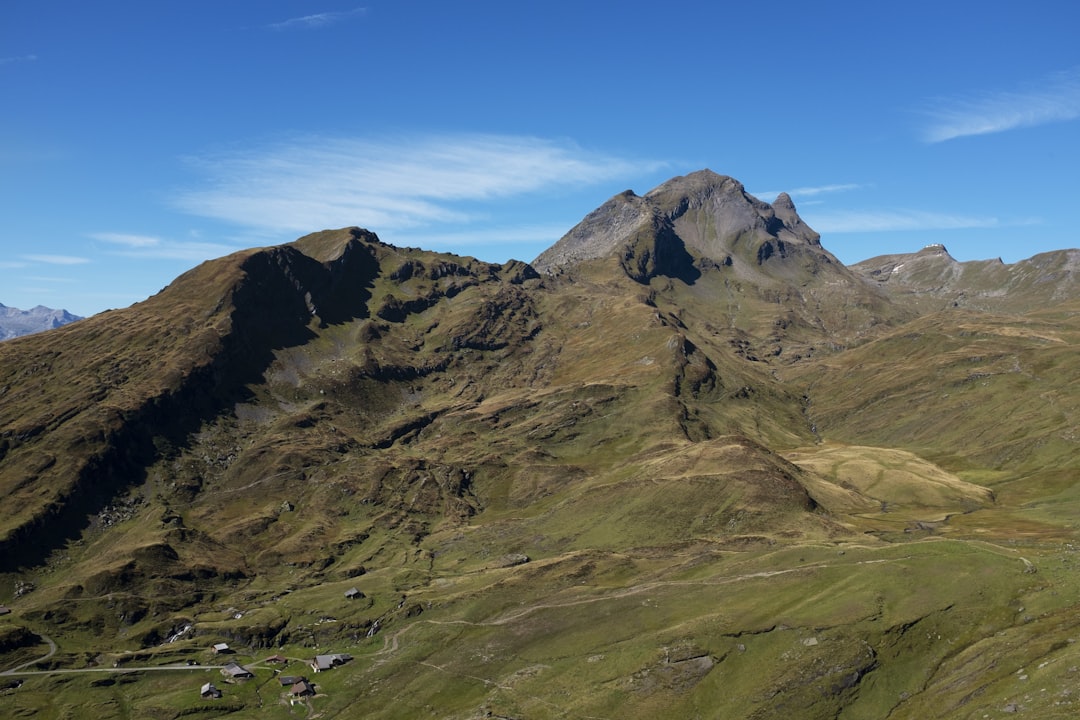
{"type": "Point", "coordinates": [15, 322]}
{"type": "Point", "coordinates": [684, 464]}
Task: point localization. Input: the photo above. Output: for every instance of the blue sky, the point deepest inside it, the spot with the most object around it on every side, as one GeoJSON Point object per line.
{"type": "Point", "coordinates": [138, 139]}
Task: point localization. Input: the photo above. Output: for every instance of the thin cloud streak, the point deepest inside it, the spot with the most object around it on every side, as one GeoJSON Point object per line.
{"type": "Point", "coordinates": [806, 192]}
{"type": "Point", "coordinates": [1055, 99]}
{"type": "Point", "coordinates": [317, 20]}
{"type": "Point", "coordinates": [894, 220]}
{"type": "Point", "coordinates": [189, 251]}
{"type": "Point", "coordinates": [149, 247]}
{"type": "Point", "coordinates": [50, 279]}
{"type": "Point", "coordinates": [395, 184]}
{"type": "Point", "coordinates": [811, 191]}
{"type": "Point", "coordinates": [134, 241]}
{"type": "Point", "coordinates": [57, 259]}
{"type": "Point", "coordinates": [17, 59]}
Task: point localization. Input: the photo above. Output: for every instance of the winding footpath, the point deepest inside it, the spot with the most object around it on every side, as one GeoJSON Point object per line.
{"type": "Point", "coordinates": [52, 651]}
{"type": "Point", "coordinates": [18, 670]}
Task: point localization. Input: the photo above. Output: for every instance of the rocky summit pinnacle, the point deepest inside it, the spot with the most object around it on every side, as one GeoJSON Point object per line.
{"type": "Point", "coordinates": [701, 218]}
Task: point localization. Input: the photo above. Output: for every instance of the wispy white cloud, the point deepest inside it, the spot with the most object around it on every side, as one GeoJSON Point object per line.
{"type": "Point", "coordinates": [1053, 99]}
{"type": "Point", "coordinates": [17, 59]}
{"type": "Point", "coordinates": [317, 20]}
{"type": "Point", "coordinates": [50, 279]}
{"type": "Point", "coordinates": [809, 192]}
{"type": "Point", "coordinates": [150, 247]}
{"type": "Point", "coordinates": [822, 189]}
{"type": "Point", "coordinates": [11, 265]}
{"type": "Point", "coordinates": [57, 259]}
{"type": "Point", "coordinates": [392, 184]}
{"type": "Point", "coordinates": [134, 241]}
{"type": "Point", "coordinates": [857, 221]}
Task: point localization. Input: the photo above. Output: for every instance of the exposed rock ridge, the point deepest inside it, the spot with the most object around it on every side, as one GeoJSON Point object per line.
{"type": "Point", "coordinates": [599, 234]}
{"type": "Point", "coordinates": [715, 216]}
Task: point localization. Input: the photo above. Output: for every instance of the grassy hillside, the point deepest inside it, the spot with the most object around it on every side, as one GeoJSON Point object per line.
{"type": "Point", "coordinates": [588, 494]}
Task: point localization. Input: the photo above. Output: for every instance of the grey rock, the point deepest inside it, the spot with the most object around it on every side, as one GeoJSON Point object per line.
{"type": "Point", "coordinates": [692, 222]}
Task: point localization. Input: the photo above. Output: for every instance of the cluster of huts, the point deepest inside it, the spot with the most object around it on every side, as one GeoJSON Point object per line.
{"type": "Point", "coordinates": [298, 685]}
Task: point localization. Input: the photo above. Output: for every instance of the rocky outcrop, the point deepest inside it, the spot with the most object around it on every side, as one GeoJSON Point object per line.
{"type": "Point", "coordinates": [600, 233]}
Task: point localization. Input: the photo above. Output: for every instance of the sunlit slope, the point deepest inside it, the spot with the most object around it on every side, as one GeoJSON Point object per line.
{"type": "Point", "coordinates": [995, 390]}
{"type": "Point", "coordinates": [695, 468]}
{"type": "Point", "coordinates": [897, 481]}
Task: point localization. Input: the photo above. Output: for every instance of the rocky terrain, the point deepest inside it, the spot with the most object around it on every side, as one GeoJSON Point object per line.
{"type": "Point", "coordinates": [934, 277]}
{"type": "Point", "coordinates": [684, 464]}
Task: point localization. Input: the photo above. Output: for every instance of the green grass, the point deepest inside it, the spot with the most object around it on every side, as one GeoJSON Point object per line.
{"type": "Point", "coordinates": [738, 498]}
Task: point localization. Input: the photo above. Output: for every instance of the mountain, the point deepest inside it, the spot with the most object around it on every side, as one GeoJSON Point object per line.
{"type": "Point", "coordinates": [711, 246]}
{"type": "Point", "coordinates": [700, 220]}
{"type": "Point", "coordinates": [934, 279]}
{"type": "Point", "coordinates": [685, 464]}
{"type": "Point", "coordinates": [15, 322]}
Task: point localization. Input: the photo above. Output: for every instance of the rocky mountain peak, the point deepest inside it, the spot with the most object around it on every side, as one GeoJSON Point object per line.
{"type": "Point", "coordinates": [330, 246]}
{"type": "Point", "coordinates": [698, 184]}
{"type": "Point", "coordinates": [785, 211]}
{"type": "Point", "coordinates": [700, 216]}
